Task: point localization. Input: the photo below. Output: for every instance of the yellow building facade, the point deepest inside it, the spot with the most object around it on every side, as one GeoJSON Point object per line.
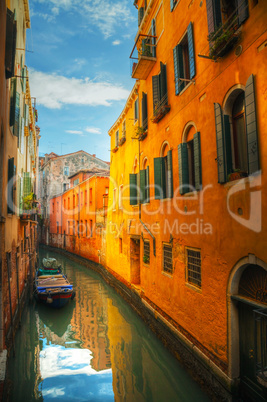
{"type": "Point", "coordinates": [186, 220]}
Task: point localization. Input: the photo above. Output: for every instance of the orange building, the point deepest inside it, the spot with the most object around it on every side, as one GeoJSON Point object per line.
{"type": "Point", "coordinates": [78, 216]}
{"type": "Point", "coordinates": [186, 217]}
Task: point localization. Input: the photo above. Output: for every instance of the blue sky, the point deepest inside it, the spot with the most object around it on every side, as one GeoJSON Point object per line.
{"type": "Point", "coordinates": [79, 68]}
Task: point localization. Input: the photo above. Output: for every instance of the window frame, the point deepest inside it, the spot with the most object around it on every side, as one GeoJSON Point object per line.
{"type": "Point", "coordinates": [165, 247]}
{"type": "Point", "coordinates": [194, 280]}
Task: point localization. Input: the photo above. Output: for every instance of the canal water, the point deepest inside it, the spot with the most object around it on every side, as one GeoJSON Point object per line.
{"type": "Point", "coordinates": [94, 349]}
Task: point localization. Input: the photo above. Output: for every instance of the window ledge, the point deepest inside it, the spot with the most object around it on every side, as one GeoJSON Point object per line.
{"type": "Point", "coordinates": [192, 287]}
{"type": "Point", "coordinates": [243, 180]}
{"type": "Point", "coordinates": [185, 88]}
{"type": "Point", "coordinates": [166, 274]}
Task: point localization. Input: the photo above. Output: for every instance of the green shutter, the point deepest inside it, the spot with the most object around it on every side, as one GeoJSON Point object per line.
{"type": "Point", "coordinates": [27, 188]}
{"type": "Point", "coordinates": [142, 186]}
{"type": "Point", "coordinates": [10, 186]}
{"type": "Point", "coordinates": [213, 14]}
{"type": "Point", "coordinates": [251, 126]}
{"type": "Point", "coordinates": [242, 11]}
{"type": "Point", "coordinates": [197, 161]}
{"type": "Point", "coordinates": [163, 83]}
{"type": "Point", "coordinates": [227, 144]}
{"type": "Point", "coordinates": [147, 185]}
{"type": "Point", "coordinates": [220, 143]}
{"type": "Point", "coordinates": [178, 68]}
{"type": "Point", "coordinates": [183, 168]}
{"type": "Point", "coordinates": [156, 94]}
{"type": "Point", "coordinates": [11, 38]}
{"type": "Point", "coordinates": [191, 52]}
{"type": "Point", "coordinates": [170, 175]}
{"type": "Point", "coordinates": [158, 178]}
{"type": "Point", "coordinates": [23, 79]}
{"type": "Point", "coordinates": [133, 189]}
{"type": "Point", "coordinates": [144, 111]}
{"type": "Point", "coordinates": [17, 115]}
{"type": "Point", "coordinates": [153, 33]}
{"type": "Point", "coordinates": [13, 89]}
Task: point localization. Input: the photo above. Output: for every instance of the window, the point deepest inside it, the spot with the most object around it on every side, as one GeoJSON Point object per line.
{"type": "Point", "coordinates": [81, 228]}
{"type": "Point", "coordinates": [163, 176]}
{"type": "Point", "coordinates": [106, 190]}
{"type": "Point", "coordinates": [11, 186]}
{"type": "Point", "coordinates": [91, 228]}
{"type": "Point", "coordinates": [146, 254]}
{"type": "Point", "coordinates": [90, 195]}
{"type": "Point", "coordinates": [76, 181]}
{"type": "Point", "coordinates": [11, 36]}
{"type": "Point", "coordinates": [190, 173]}
{"type": "Point", "coordinates": [53, 207]}
{"type": "Point", "coordinates": [86, 228]}
{"type": "Point", "coordinates": [124, 128]}
{"type": "Point", "coordinates": [68, 202]}
{"type": "Point", "coordinates": [167, 258]}
{"type": "Point", "coordinates": [117, 136]}
{"type": "Point", "coordinates": [65, 187]}
{"type": "Point", "coordinates": [120, 245]}
{"type": "Point", "coordinates": [120, 196]}
{"type": "Point", "coordinates": [160, 94]}
{"type": "Point", "coordinates": [144, 111]}
{"type": "Point", "coordinates": [85, 196]}
{"type": "Point", "coordinates": [173, 4]}
{"type": "Point", "coordinates": [136, 110]}
{"type": "Point", "coordinates": [184, 60]}
{"type": "Point", "coordinates": [114, 198]}
{"type": "Point", "coordinates": [78, 228]}
{"type": "Point", "coordinates": [73, 200]}
{"type": "Point", "coordinates": [218, 12]}
{"type": "Point", "coordinates": [57, 206]}
{"type": "Point", "coordinates": [66, 171]}
{"type": "Point", "coordinates": [81, 198]}
{"type": "Point", "coordinates": [57, 227]}
{"type": "Point", "coordinates": [193, 267]}
{"type": "Point", "coordinates": [236, 135]}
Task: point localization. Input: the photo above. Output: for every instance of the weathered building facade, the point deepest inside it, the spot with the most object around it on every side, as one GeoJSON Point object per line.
{"type": "Point", "coordinates": [78, 216]}
{"type": "Point", "coordinates": [186, 221]}
{"type": "Point", "coordinates": [18, 162]}
{"type": "Point", "coordinates": [55, 170]}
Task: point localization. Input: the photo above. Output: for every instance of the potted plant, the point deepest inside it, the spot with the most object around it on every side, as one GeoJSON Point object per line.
{"type": "Point", "coordinates": [237, 174]}
{"type": "Point", "coordinates": [122, 141]}
{"type": "Point", "coordinates": [145, 259]}
{"type": "Point", "coordinates": [141, 133]}
{"type": "Point", "coordinates": [115, 149]}
{"type": "Point", "coordinates": [223, 38]}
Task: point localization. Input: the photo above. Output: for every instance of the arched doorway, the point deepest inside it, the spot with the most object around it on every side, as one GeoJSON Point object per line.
{"type": "Point", "coordinates": [248, 328]}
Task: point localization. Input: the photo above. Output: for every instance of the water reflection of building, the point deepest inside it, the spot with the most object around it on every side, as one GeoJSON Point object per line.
{"type": "Point", "coordinates": [89, 322]}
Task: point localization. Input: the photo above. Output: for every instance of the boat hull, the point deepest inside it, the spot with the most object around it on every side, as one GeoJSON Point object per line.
{"type": "Point", "coordinates": [56, 300]}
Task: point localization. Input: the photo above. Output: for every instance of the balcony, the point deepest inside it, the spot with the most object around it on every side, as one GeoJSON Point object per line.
{"type": "Point", "coordinates": [143, 56]}
{"type": "Point", "coordinates": [223, 39]}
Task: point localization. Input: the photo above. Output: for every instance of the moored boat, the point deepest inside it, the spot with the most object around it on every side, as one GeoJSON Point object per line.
{"type": "Point", "coordinates": [53, 290]}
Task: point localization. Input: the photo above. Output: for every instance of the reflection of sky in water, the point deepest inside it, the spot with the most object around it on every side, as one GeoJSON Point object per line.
{"type": "Point", "coordinates": [68, 376]}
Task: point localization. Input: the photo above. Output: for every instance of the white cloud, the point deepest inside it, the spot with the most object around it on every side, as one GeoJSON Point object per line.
{"type": "Point", "coordinates": [53, 91]}
{"type": "Point", "coordinates": [93, 130]}
{"type": "Point", "coordinates": [75, 132]}
{"type": "Point", "coordinates": [106, 15]}
{"type": "Point", "coordinates": [116, 42]}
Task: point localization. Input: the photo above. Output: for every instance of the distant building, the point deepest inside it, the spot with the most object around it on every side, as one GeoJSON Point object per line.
{"type": "Point", "coordinates": [55, 172]}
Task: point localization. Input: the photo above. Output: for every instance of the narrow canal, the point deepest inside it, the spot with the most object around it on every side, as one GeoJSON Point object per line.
{"type": "Point", "coordinates": [94, 349]}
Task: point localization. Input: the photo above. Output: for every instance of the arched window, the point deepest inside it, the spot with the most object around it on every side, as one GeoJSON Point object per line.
{"type": "Point", "coordinates": [163, 175]}
{"type": "Point", "coordinates": [236, 134]}
{"type": "Point", "coordinates": [189, 158]}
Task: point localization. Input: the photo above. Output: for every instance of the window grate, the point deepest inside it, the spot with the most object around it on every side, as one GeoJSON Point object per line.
{"type": "Point", "coordinates": [167, 258]}
{"type": "Point", "coordinates": [194, 267]}
{"type": "Point", "coordinates": [146, 256]}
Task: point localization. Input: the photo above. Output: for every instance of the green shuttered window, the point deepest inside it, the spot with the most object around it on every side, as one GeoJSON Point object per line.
{"type": "Point", "coordinates": [133, 189]}
{"type": "Point", "coordinates": [11, 186]}
{"type": "Point", "coordinates": [190, 171]}
{"type": "Point", "coordinates": [11, 38]}
{"type": "Point", "coordinates": [163, 177]}
{"type": "Point", "coordinates": [237, 144]}
{"type": "Point", "coordinates": [184, 60]}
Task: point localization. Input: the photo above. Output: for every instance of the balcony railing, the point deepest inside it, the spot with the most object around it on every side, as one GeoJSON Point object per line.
{"type": "Point", "coordinates": [225, 37]}
{"type": "Point", "coordinates": [143, 56]}
{"type": "Point", "coordinates": [161, 109]}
